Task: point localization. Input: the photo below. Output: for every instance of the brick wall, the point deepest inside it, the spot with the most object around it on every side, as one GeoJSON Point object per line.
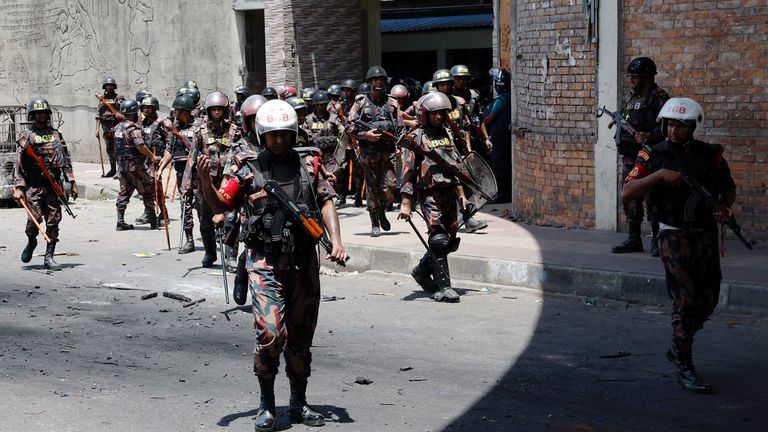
{"type": "Point", "coordinates": [555, 78]}
{"type": "Point", "coordinates": [329, 41]}
{"type": "Point", "coordinates": [715, 52]}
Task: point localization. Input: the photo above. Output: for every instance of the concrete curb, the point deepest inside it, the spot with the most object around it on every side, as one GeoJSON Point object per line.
{"type": "Point", "coordinates": [616, 285]}
{"type": "Point", "coordinates": [96, 193]}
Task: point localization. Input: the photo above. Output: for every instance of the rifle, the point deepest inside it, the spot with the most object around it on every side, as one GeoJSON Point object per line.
{"type": "Point", "coordinates": [300, 217]}
{"type": "Point", "coordinates": [433, 155]}
{"type": "Point", "coordinates": [54, 183]}
{"type": "Point", "coordinates": [222, 251]}
{"type": "Point", "coordinates": [621, 122]}
{"type": "Point", "coordinates": [704, 193]}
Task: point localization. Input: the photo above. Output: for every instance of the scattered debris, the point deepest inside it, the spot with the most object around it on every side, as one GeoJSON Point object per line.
{"type": "Point", "coordinates": [193, 303]}
{"type": "Point", "coordinates": [383, 294]}
{"type": "Point", "coordinates": [175, 296]}
{"type": "Point", "coordinates": [331, 298]}
{"type": "Point", "coordinates": [590, 302]}
{"type": "Point", "coordinates": [417, 379]}
{"type": "Point", "coordinates": [144, 254]}
{"type": "Point", "coordinates": [509, 297]}
{"type": "Point", "coordinates": [165, 310]}
{"type": "Point", "coordinates": [619, 354]}
{"type": "Point", "coordinates": [405, 369]}
{"type": "Point", "coordinates": [118, 322]}
{"type": "Point", "coordinates": [149, 296]}
{"type": "Point", "coordinates": [115, 285]}
{"type": "Point", "coordinates": [363, 381]}
{"type": "Point", "coordinates": [486, 290]}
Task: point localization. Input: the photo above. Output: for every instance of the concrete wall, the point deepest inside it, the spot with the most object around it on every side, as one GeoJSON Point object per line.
{"type": "Point", "coordinates": [62, 49]}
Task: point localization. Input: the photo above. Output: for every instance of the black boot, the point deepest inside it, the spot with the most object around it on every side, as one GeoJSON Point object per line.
{"type": "Point", "coordinates": [385, 225]}
{"type": "Point", "coordinates": [445, 292]}
{"type": "Point", "coordinates": [633, 243]}
{"type": "Point", "coordinates": [143, 219]}
{"type": "Point", "coordinates": [230, 257]}
{"type": "Point", "coordinates": [121, 225]}
{"type": "Point", "coordinates": [299, 411]}
{"type": "Point", "coordinates": [687, 378]}
{"type": "Point", "coordinates": [189, 246]}
{"type": "Point", "coordinates": [49, 263]}
{"type": "Point", "coordinates": [265, 418]}
{"type": "Point", "coordinates": [240, 293]}
{"type": "Point", "coordinates": [358, 200]}
{"type": "Point", "coordinates": [29, 249]}
{"type": "Point", "coordinates": [655, 238]}
{"type": "Point", "coordinates": [375, 229]}
{"type": "Point", "coordinates": [422, 274]}
{"type": "Point", "coordinates": [209, 244]}
{"type": "Point", "coordinates": [342, 201]}
{"type": "Point", "coordinates": [112, 170]}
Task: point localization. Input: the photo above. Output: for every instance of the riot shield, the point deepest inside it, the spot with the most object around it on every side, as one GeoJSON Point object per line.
{"type": "Point", "coordinates": [483, 175]}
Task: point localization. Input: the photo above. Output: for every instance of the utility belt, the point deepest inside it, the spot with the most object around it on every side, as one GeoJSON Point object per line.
{"type": "Point", "coordinates": [272, 232]}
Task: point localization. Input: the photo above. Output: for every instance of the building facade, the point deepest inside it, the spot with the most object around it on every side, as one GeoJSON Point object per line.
{"type": "Point", "coordinates": [62, 50]}
{"type": "Point", "coordinates": [568, 58]}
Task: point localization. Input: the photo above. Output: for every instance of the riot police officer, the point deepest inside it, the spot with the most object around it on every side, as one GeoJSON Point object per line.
{"type": "Point", "coordinates": [299, 105]}
{"type": "Point", "coordinates": [33, 187]}
{"type": "Point", "coordinates": [383, 112]}
{"type": "Point", "coordinates": [155, 132]}
{"type": "Point", "coordinates": [688, 236]}
{"type": "Point", "coordinates": [132, 154]}
{"type": "Point", "coordinates": [177, 152]}
{"type": "Point", "coordinates": [324, 129]}
{"type": "Point", "coordinates": [215, 138]}
{"type": "Point", "coordinates": [284, 270]}
{"type": "Point", "coordinates": [436, 193]}
{"type": "Point", "coordinates": [269, 93]}
{"type": "Point", "coordinates": [640, 111]}
{"type": "Point", "coordinates": [106, 121]}
{"type": "Point", "coordinates": [241, 94]}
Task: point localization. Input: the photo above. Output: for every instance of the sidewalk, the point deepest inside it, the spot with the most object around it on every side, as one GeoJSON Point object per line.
{"type": "Point", "coordinates": [556, 260]}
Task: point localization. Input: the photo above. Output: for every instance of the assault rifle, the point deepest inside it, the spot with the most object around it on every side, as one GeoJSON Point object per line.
{"type": "Point", "coordinates": [53, 182]}
{"type": "Point", "coordinates": [707, 195]}
{"type": "Point", "coordinates": [436, 156]}
{"type": "Point", "coordinates": [299, 216]}
{"type": "Point", "coordinates": [621, 122]}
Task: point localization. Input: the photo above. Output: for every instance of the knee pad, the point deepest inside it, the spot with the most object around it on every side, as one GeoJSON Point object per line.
{"type": "Point", "coordinates": [439, 242]}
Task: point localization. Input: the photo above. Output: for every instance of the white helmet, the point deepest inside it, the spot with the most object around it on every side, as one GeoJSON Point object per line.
{"type": "Point", "coordinates": [276, 115]}
{"type": "Point", "coordinates": [682, 109]}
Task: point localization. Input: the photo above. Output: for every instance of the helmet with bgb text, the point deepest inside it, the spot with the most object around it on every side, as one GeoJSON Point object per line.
{"type": "Point", "coordinates": [685, 110]}
{"type": "Point", "coordinates": [276, 115]}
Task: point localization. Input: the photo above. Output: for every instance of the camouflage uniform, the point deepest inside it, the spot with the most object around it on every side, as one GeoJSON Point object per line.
{"type": "Point", "coordinates": [180, 153]}
{"type": "Point", "coordinates": [156, 136]}
{"type": "Point", "coordinates": [48, 143]}
{"type": "Point", "coordinates": [108, 123]}
{"type": "Point", "coordinates": [283, 274]}
{"type": "Point", "coordinates": [324, 134]}
{"type": "Point", "coordinates": [350, 164]}
{"type": "Point", "coordinates": [688, 236]}
{"type": "Point", "coordinates": [217, 142]}
{"type": "Point", "coordinates": [374, 157]}
{"type": "Point", "coordinates": [640, 111]}
{"type": "Point", "coordinates": [134, 174]}
{"type": "Point", "coordinates": [437, 195]}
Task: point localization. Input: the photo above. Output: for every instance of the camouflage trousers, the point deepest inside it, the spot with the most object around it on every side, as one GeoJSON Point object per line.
{"type": "Point", "coordinates": [136, 180]}
{"type": "Point", "coordinates": [380, 180]}
{"type": "Point", "coordinates": [438, 205]}
{"type": "Point", "coordinates": [633, 209]}
{"type": "Point", "coordinates": [286, 299]}
{"type": "Point", "coordinates": [692, 266]}
{"type": "Point", "coordinates": [108, 134]}
{"type": "Point", "coordinates": [43, 203]}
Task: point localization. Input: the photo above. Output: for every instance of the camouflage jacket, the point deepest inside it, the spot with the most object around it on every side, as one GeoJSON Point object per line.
{"type": "Point", "coordinates": [48, 143]}
{"type": "Point", "coordinates": [421, 173]}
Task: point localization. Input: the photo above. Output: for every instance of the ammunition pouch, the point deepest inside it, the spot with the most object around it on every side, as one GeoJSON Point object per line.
{"type": "Point", "coordinates": [273, 232]}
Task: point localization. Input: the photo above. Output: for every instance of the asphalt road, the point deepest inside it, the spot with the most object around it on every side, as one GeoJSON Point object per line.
{"type": "Point", "coordinates": [82, 352]}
